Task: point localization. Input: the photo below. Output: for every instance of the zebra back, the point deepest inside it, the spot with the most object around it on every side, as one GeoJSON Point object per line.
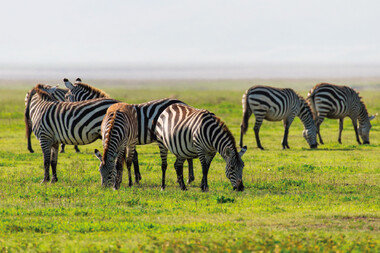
{"type": "Point", "coordinates": [67, 122]}
{"type": "Point", "coordinates": [81, 91]}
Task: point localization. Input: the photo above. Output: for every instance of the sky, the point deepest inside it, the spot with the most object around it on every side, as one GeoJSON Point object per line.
{"type": "Point", "coordinates": [112, 33]}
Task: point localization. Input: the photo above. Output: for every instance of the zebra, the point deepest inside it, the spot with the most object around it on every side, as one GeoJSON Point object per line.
{"type": "Point", "coordinates": [148, 114]}
{"type": "Point", "coordinates": [54, 122]}
{"type": "Point", "coordinates": [275, 104]}
{"type": "Point", "coordinates": [119, 135]}
{"type": "Point", "coordinates": [337, 102]}
{"type": "Point", "coordinates": [59, 95]}
{"type": "Point", "coordinates": [190, 133]}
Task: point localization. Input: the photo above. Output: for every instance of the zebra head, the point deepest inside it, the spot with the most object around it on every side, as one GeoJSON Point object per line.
{"type": "Point", "coordinates": [310, 135]}
{"type": "Point", "coordinates": [364, 128]}
{"type": "Point", "coordinates": [234, 167]}
{"type": "Point", "coordinates": [107, 170]}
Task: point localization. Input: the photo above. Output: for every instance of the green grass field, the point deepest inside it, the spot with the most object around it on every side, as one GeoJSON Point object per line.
{"type": "Point", "coordinates": [295, 200]}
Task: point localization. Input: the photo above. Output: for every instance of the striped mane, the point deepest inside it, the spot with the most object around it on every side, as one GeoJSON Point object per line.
{"type": "Point", "coordinates": [225, 128]}
{"type": "Point", "coordinates": [107, 135]}
{"type": "Point", "coordinates": [93, 90]}
{"type": "Point", "coordinates": [39, 89]}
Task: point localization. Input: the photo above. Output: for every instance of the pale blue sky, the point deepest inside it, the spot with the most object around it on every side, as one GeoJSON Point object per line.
{"type": "Point", "coordinates": [189, 32]}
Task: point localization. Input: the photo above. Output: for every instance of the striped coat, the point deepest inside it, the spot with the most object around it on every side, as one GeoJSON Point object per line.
{"type": "Point", "coordinates": [147, 114]}
{"type": "Point", "coordinates": [192, 133]}
{"type": "Point", "coordinates": [337, 102]}
{"type": "Point", "coordinates": [275, 104]}
{"type": "Point", "coordinates": [55, 122]}
{"type": "Point", "coordinates": [119, 135]}
{"type": "Point", "coordinates": [59, 95]}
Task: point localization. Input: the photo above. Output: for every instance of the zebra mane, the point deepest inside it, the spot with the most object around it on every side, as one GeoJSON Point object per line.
{"type": "Point", "coordinates": [108, 135]}
{"type": "Point", "coordinates": [39, 89]}
{"type": "Point", "coordinates": [91, 89]}
{"type": "Point", "coordinates": [224, 127]}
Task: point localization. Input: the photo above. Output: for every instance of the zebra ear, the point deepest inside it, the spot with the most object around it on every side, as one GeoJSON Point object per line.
{"type": "Point", "coordinates": [78, 80]}
{"type": "Point", "coordinates": [52, 89]}
{"type": "Point", "coordinates": [68, 84]}
{"type": "Point", "coordinates": [98, 154]}
{"type": "Point", "coordinates": [242, 151]}
{"type": "Point", "coordinates": [372, 117]}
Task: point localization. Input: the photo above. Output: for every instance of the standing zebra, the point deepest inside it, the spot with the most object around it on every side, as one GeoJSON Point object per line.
{"type": "Point", "coordinates": [59, 95]}
{"type": "Point", "coordinates": [119, 135]}
{"type": "Point", "coordinates": [190, 133]}
{"type": "Point", "coordinates": [147, 114]}
{"type": "Point", "coordinates": [275, 104]}
{"type": "Point", "coordinates": [337, 102]}
{"type": "Point", "coordinates": [55, 122]}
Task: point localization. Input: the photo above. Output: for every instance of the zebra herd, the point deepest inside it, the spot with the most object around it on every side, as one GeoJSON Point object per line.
{"type": "Point", "coordinates": [82, 114]}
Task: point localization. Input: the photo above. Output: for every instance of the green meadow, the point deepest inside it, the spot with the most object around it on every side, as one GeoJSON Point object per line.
{"type": "Point", "coordinates": [294, 200]}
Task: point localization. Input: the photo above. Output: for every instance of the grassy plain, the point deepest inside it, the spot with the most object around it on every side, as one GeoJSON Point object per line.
{"type": "Point", "coordinates": [295, 200]}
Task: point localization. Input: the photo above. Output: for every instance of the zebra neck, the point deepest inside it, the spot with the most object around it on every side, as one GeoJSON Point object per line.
{"type": "Point", "coordinates": [363, 114]}
{"type": "Point", "coordinates": [306, 115]}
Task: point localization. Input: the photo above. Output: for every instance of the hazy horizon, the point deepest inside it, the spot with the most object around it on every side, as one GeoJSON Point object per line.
{"type": "Point", "coordinates": [137, 33]}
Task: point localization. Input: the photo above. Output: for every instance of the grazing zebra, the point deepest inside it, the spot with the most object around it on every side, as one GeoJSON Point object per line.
{"type": "Point", "coordinates": [119, 135]}
{"type": "Point", "coordinates": [190, 133]}
{"type": "Point", "coordinates": [275, 104]}
{"type": "Point", "coordinates": [337, 102]}
{"type": "Point", "coordinates": [147, 113]}
{"type": "Point", "coordinates": [59, 95]}
{"type": "Point", "coordinates": [55, 122]}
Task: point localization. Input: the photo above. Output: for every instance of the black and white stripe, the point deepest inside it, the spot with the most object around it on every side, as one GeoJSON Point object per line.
{"type": "Point", "coordinates": [337, 102]}
{"type": "Point", "coordinates": [59, 95]}
{"type": "Point", "coordinates": [190, 133]}
{"type": "Point", "coordinates": [119, 135]}
{"type": "Point", "coordinates": [55, 122]}
{"type": "Point", "coordinates": [147, 114]}
{"type": "Point", "coordinates": [275, 104]}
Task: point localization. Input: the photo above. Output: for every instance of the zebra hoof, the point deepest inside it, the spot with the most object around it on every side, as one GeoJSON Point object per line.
{"type": "Point", "coordinates": [190, 180]}
{"type": "Point", "coordinates": [261, 148]}
{"type": "Point", "coordinates": [31, 150]}
{"type": "Point", "coordinates": [162, 188]}
{"type": "Point", "coordinates": [54, 180]}
{"type": "Point", "coordinates": [62, 151]}
{"type": "Point", "coordinates": [44, 181]}
{"type": "Point", "coordinates": [204, 189]}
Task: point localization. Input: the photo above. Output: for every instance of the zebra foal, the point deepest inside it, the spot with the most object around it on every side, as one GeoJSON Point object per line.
{"type": "Point", "coordinates": [55, 122]}
{"type": "Point", "coordinates": [192, 133]}
{"type": "Point", "coordinates": [59, 95]}
{"type": "Point", "coordinates": [337, 102]}
{"type": "Point", "coordinates": [275, 104]}
{"type": "Point", "coordinates": [119, 135]}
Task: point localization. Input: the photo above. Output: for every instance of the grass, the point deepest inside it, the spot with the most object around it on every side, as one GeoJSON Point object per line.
{"type": "Point", "coordinates": [295, 200]}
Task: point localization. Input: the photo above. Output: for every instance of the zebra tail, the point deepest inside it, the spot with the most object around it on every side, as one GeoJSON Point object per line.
{"type": "Point", "coordinates": [28, 122]}
{"type": "Point", "coordinates": [246, 113]}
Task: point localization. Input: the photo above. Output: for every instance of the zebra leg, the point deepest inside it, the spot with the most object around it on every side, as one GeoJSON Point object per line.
{"type": "Point", "coordinates": [119, 170]}
{"type": "Point", "coordinates": [46, 150]}
{"type": "Point", "coordinates": [178, 165]}
{"type": "Point", "coordinates": [354, 122]}
{"type": "Point", "coordinates": [130, 157]}
{"type": "Point", "coordinates": [62, 148]}
{"type": "Point", "coordinates": [164, 164]}
{"type": "Point", "coordinates": [136, 167]}
{"type": "Point", "coordinates": [205, 167]}
{"type": "Point", "coordinates": [256, 128]}
{"type": "Point", "coordinates": [318, 124]}
{"type": "Point", "coordinates": [340, 130]}
{"type": "Point", "coordinates": [191, 171]}
{"type": "Point", "coordinates": [287, 123]}
{"type": "Point", "coordinates": [53, 162]}
{"type": "Point", "coordinates": [76, 149]}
